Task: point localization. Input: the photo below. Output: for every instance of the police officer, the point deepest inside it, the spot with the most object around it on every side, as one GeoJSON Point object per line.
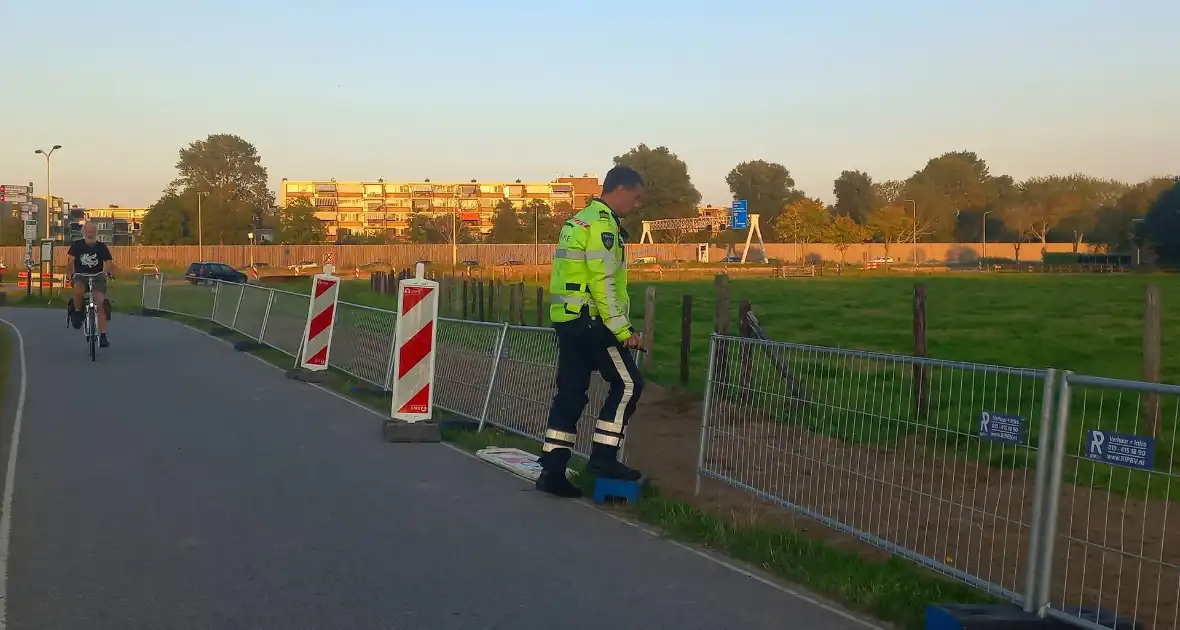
{"type": "Point", "coordinates": [589, 310]}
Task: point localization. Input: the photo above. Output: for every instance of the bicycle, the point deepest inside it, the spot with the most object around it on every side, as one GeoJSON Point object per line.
{"type": "Point", "coordinates": [90, 315]}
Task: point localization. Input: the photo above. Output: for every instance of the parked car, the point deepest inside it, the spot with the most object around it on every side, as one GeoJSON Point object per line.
{"type": "Point", "coordinates": [470, 264]}
{"type": "Point", "coordinates": [210, 271]}
{"type": "Point", "coordinates": [302, 266]}
{"type": "Point", "coordinates": [511, 263]}
{"type": "Point", "coordinates": [147, 267]}
{"type": "Point", "coordinates": [643, 260]}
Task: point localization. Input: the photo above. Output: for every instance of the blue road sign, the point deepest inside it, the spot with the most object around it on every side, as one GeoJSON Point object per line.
{"type": "Point", "coordinates": [739, 216]}
{"type": "Point", "coordinates": [1001, 427]}
{"type": "Point", "coordinates": [1121, 449]}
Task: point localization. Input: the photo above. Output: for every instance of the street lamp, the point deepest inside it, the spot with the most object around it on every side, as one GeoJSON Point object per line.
{"type": "Point", "coordinates": [983, 244]}
{"type": "Point", "coordinates": [1138, 241]}
{"type": "Point", "coordinates": [915, 245]}
{"type": "Point", "coordinates": [250, 235]}
{"type": "Point", "coordinates": [200, 228]}
{"type": "Point", "coordinates": [48, 183]}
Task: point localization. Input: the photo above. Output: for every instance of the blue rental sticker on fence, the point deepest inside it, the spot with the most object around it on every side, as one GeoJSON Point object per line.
{"type": "Point", "coordinates": [1001, 427]}
{"type": "Point", "coordinates": [1121, 449]}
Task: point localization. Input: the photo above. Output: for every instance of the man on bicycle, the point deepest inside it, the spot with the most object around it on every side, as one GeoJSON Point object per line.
{"type": "Point", "coordinates": [90, 256]}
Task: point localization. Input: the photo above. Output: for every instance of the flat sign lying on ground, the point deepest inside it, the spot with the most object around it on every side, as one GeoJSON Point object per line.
{"type": "Point", "coordinates": [515, 461]}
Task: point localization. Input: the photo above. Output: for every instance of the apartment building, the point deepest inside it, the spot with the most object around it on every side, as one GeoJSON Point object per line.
{"type": "Point", "coordinates": [116, 226]}
{"type": "Point", "coordinates": [385, 207]}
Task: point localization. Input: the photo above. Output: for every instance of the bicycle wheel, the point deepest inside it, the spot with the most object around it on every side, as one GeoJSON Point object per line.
{"type": "Point", "coordinates": [92, 325]}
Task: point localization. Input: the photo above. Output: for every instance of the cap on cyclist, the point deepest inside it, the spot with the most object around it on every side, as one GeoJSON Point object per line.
{"type": "Point", "coordinates": [91, 257]}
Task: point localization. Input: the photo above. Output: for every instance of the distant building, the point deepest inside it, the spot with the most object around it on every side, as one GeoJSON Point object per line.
{"type": "Point", "coordinates": [385, 207]}
{"type": "Point", "coordinates": [56, 210]}
{"type": "Point", "coordinates": [116, 226]}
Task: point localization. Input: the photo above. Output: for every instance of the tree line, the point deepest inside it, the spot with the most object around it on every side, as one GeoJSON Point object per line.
{"type": "Point", "coordinates": [954, 198]}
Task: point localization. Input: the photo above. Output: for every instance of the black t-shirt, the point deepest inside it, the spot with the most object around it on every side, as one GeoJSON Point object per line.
{"type": "Point", "coordinates": [89, 258]}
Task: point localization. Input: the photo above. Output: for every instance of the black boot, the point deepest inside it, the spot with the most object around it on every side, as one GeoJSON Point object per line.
{"type": "Point", "coordinates": [604, 462]}
{"type": "Point", "coordinates": [553, 479]}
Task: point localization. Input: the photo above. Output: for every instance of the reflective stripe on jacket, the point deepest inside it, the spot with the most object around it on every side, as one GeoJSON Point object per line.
{"type": "Point", "coordinates": [590, 269]}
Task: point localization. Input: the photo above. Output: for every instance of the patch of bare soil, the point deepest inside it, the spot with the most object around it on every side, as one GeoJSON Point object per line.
{"type": "Point", "coordinates": [1110, 550]}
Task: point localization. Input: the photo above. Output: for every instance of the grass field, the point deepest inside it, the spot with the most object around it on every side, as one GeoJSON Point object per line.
{"type": "Point", "coordinates": [1090, 324]}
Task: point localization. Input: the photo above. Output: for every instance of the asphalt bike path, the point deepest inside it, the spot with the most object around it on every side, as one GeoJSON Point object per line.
{"type": "Point", "coordinates": [176, 484]}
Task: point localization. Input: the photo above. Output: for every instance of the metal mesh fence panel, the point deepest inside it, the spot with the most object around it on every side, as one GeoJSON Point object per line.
{"type": "Point", "coordinates": [229, 294]}
{"type": "Point", "coordinates": [465, 361]}
{"type": "Point", "coordinates": [1112, 559]}
{"type": "Point", "coordinates": [362, 342]}
{"type": "Point", "coordinates": [526, 382]}
{"type": "Point", "coordinates": [933, 461]}
{"type": "Point", "coordinates": [252, 311]}
{"type": "Point", "coordinates": [285, 321]}
{"type": "Point", "coordinates": [182, 298]}
{"type": "Point", "coordinates": [149, 296]}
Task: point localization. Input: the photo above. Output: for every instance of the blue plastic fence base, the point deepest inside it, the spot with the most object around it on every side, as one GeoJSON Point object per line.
{"type": "Point", "coordinates": [606, 489]}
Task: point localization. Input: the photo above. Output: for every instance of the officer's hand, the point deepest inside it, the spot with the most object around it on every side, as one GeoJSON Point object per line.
{"type": "Point", "coordinates": [632, 342]}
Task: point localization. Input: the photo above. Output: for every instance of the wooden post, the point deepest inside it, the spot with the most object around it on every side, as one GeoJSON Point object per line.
{"type": "Point", "coordinates": [466, 298]}
{"type": "Point", "coordinates": [491, 300]}
{"type": "Point", "coordinates": [685, 336]}
{"type": "Point", "coordinates": [649, 323]}
{"type": "Point", "coordinates": [502, 314]}
{"type": "Point", "coordinates": [721, 327]}
{"type": "Point", "coordinates": [540, 306]}
{"type": "Point", "coordinates": [511, 304]}
{"type": "Point", "coordinates": [921, 391]}
{"type": "Point", "coordinates": [520, 303]}
{"type": "Point", "coordinates": [479, 302]}
{"type": "Point", "coordinates": [451, 295]}
{"type": "Point", "coordinates": [744, 354]}
{"type": "Point", "coordinates": [1151, 359]}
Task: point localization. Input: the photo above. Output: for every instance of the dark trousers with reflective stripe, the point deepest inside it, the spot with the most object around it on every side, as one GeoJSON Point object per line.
{"type": "Point", "coordinates": [585, 346]}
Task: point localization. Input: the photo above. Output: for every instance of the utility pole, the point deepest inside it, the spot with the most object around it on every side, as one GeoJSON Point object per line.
{"type": "Point", "coordinates": [455, 230]}
{"type": "Point", "coordinates": [983, 244]}
{"type": "Point", "coordinates": [200, 229]}
{"type": "Point", "coordinates": [915, 243]}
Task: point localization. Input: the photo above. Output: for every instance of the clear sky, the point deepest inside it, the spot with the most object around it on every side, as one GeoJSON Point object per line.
{"type": "Point", "coordinates": [456, 89]}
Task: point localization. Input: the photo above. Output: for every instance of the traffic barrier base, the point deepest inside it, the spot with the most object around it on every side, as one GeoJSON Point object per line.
{"type": "Point", "coordinates": [307, 376]}
{"type": "Point", "coordinates": [401, 431]}
{"type": "Point", "coordinates": [985, 617]}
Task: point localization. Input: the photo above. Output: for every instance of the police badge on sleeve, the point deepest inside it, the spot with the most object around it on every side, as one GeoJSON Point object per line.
{"type": "Point", "coordinates": [608, 240]}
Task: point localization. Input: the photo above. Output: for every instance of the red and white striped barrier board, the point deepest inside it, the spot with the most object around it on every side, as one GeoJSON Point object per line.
{"type": "Point", "coordinates": [413, 360]}
{"type": "Point", "coordinates": [321, 316]}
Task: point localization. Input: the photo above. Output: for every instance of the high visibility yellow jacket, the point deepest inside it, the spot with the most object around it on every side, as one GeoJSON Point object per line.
{"type": "Point", "coordinates": [590, 270]}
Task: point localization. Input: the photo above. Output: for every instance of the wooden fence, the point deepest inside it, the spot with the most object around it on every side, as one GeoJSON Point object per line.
{"type": "Point", "coordinates": [528, 254]}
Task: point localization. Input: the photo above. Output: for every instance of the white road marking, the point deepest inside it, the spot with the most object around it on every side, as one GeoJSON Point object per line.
{"type": "Point", "coordinates": [10, 478]}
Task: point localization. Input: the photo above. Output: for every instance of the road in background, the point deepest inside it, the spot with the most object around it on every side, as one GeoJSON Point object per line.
{"type": "Point", "coordinates": [205, 490]}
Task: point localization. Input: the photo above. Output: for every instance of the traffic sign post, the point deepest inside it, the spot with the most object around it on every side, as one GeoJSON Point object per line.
{"type": "Point", "coordinates": [14, 194]}
{"type": "Point", "coordinates": [739, 215]}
